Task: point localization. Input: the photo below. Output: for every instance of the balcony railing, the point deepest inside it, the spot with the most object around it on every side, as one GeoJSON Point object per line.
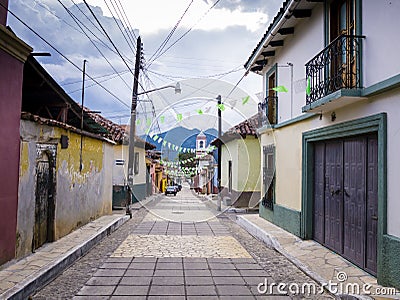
{"type": "Point", "coordinates": [335, 67]}
{"type": "Point", "coordinates": [267, 111]}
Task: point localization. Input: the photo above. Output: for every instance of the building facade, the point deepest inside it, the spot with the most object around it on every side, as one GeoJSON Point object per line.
{"type": "Point", "coordinates": [13, 54]}
{"type": "Point", "coordinates": [240, 165]}
{"type": "Point", "coordinates": [329, 144]}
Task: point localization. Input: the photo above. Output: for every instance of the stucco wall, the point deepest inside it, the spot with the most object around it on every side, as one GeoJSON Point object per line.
{"type": "Point", "coordinates": [380, 23]}
{"type": "Point", "coordinates": [245, 157]}
{"type": "Point", "coordinates": [298, 49]}
{"type": "Point", "coordinates": [120, 173]}
{"type": "Point", "coordinates": [79, 196]}
{"type": "Point", "coordinates": [10, 110]}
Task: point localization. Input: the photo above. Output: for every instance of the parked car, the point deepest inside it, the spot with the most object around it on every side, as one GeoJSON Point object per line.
{"type": "Point", "coordinates": [171, 190]}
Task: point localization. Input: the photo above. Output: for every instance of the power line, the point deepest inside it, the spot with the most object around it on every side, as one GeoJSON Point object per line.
{"type": "Point", "coordinates": [186, 32]}
{"type": "Point", "coordinates": [119, 27]}
{"type": "Point", "coordinates": [96, 77]}
{"type": "Point", "coordinates": [166, 40]}
{"type": "Point", "coordinates": [101, 53]}
{"type": "Point", "coordinates": [115, 47]}
{"type": "Point", "coordinates": [61, 54]}
{"type": "Point", "coordinates": [130, 32]}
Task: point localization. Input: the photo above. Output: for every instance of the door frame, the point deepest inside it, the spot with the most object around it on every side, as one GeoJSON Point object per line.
{"type": "Point", "coordinates": [372, 124]}
{"type": "Point", "coordinates": [51, 151]}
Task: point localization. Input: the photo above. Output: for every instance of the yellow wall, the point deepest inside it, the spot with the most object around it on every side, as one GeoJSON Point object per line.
{"type": "Point", "coordinates": [79, 196]}
{"type": "Point", "coordinates": [245, 157]}
{"type": "Point", "coordinates": [288, 160]}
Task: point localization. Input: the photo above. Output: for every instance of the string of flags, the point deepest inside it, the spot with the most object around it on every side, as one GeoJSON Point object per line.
{"type": "Point", "coordinates": [245, 100]}
{"type": "Point", "coordinates": [160, 140]}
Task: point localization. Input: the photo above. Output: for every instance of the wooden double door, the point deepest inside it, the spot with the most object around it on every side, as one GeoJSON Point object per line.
{"type": "Point", "coordinates": [346, 198]}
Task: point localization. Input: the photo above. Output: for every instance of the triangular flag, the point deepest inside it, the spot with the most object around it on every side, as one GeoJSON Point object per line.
{"type": "Point", "coordinates": [245, 100]}
{"type": "Point", "coordinates": [147, 131]}
{"type": "Point", "coordinates": [159, 140]}
{"type": "Point", "coordinates": [221, 107]}
{"type": "Point", "coordinates": [308, 88]}
{"type": "Point", "coordinates": [199, 111]}
{"type": "Point", "coordinates": [148, 122]}
{"type": "Point", "coordinates": [179, 117]}
{"type": "Point", "coordinates": [162, 119]}
{"type": "Point", "coordinates": [169, 145]}
{"type": "Point", "coordinates": [164, 143]}
{"type": "Point", "coordinates": [138, 122]}
{"type": "Point", "coordinates": [155, 138]}
{"type": "Point", "coordinates": [280, 89]}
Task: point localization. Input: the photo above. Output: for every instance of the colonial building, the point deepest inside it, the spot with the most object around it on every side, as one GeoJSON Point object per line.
{"type": "Point", "coordinates": [13, 54]}
{"type": "Point", "coordinates": [240, 164]}
{"type": "Point", "coordinates": [330, 144]}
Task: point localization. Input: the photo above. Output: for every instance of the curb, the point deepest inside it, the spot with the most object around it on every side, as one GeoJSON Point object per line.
{"type": "Point", "coordinates": [35, 282]}
{"type": "Point", "coordinates": [271, 242]}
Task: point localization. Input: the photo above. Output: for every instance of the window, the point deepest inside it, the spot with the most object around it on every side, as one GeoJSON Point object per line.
{"type": "Point", "coordinates": [201, 144]}
{"type": "Point", "coordinates": [271, 99]}
{"type": "Point", "coordinates": [268, 176]}
{"type": "Point", "coordinates": [230, 176]}
{"type": "Point", "coordinates": [136, 166]}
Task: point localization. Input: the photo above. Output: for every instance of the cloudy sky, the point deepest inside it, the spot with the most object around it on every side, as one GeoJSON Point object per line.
{"type": "Point", "coordinates": [209, 43]}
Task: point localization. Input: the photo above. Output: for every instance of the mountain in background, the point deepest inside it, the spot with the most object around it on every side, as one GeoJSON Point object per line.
{"type": "Point", "coordinates": [182, 137]}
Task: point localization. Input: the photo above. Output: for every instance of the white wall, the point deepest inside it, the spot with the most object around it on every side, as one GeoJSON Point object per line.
{"type": "Point", "coordinates": [299, 48]}
{"type": "Point", "coordinates": [120, 173]}
{"type": "Point", "coordinates": [380, 25]}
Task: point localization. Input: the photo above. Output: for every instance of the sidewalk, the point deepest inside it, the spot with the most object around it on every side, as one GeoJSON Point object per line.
{"type": "Point", "coordinates": [316, 261]}
{"type": "Point", "coordinates": [18, 280]}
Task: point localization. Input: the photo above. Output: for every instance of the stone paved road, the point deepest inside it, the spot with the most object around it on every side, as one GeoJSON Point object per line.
{"type": "Point", "coordinates": [162, 255]}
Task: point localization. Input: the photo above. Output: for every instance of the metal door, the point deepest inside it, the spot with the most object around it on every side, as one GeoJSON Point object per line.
{"type": "Point", "coordinates": [43, 186]}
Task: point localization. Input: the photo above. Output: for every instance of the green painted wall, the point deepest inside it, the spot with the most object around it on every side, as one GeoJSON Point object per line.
{"type": "Point", "coordinates": [283, 217]}
{"type": "Point", "coordinates": [390, 261]}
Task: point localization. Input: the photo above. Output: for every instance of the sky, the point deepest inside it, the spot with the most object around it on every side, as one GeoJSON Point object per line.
{"type": "Point", "coordinates": [205, 53]}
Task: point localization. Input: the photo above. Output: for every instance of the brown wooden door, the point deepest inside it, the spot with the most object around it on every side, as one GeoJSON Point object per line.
{"type": "Point", "coordinates": [346, 198]}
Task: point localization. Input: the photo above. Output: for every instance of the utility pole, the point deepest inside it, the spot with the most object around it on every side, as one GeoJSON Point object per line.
{"type": "Point", "coordinates": [132, 129]}
{"type": "Point", "coordinates": [219, 153]}
{"type": "Point", "coordinates": [83, 99]}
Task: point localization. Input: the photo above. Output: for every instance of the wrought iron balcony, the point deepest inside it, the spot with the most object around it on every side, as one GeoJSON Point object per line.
{"type": "Point", "coordinates": [334, 68]}
{"type": "Point", "coordinates": [267, 111]}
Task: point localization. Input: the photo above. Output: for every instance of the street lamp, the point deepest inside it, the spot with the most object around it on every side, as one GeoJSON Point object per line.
{"type": "Point", "coordinates": [177, 88]}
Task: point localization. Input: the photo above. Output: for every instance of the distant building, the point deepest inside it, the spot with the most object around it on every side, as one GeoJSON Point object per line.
{"type": "Point", "coordinates": [203, 182]}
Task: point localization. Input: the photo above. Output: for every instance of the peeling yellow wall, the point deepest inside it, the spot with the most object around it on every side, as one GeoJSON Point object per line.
{"type": "Point", "coordinates": [79, 196]}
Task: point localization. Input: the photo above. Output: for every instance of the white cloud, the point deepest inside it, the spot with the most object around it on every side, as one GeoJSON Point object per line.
{"type": "Point", "coordinates": [151, 16]}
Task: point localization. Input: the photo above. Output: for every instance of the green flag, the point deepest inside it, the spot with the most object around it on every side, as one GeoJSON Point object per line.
{"type": "Point", "coordinates": [162, 118]}
{"type": "Point", "coordinates": [221, 107]}
{"type": "Point", "coordinates": [199, 111]}
{"type": "Point", "coordinates": [148, 122]}
{"type": "Point", "coordinates": [245, 100]}
{"type": "Point", "coordinates": [280, 89]}
{"type": "Point", "coordinates": [308, 88]}
{"type": "Point", "coordinates": [138, 122]}
{"type": "Point", "coordinates": [179, 117]}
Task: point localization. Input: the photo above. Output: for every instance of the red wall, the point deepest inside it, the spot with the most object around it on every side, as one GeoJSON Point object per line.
{"type": "Point", "coordinates": [3, 12]}
{"type": "Point", "coordinates": [10, 112]}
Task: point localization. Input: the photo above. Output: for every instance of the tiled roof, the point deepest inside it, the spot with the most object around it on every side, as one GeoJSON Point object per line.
{"type": "Point", "coordinates": [247, 127]}
{"type": "Point", "coordinates": [115, 131]}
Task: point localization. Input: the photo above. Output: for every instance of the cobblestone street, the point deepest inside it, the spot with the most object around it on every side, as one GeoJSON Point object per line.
{"type": "Point", "coordinates": [160, 254]}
